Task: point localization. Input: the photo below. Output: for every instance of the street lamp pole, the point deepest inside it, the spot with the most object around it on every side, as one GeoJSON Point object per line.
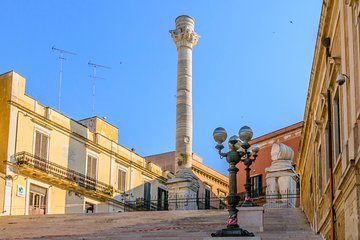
{"type": "Point", "coordinates": [238, 151]}
{"type": "Point", "coordinates": [247, 160]}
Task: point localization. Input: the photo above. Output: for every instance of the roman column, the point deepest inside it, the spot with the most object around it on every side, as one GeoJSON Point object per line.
{"type": "Point", "coordinates": [185, 185]}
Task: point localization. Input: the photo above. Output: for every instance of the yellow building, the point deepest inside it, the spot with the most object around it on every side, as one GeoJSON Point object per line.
{"type": "Point", "coordinates": [51, 163]}
{"type": "Point", "coordinates": [329, 150]}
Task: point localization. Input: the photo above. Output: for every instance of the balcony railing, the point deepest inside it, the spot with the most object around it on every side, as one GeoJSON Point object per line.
{"type": "Point", "coordinates": [79, 180]}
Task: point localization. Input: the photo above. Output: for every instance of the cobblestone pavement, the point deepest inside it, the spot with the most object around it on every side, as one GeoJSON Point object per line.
{"type": "Point", "coordinates": [129, 225]}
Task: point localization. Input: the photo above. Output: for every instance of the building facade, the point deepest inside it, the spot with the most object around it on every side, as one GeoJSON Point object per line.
{"type": "Point", "coordinates": [288, 135]}
{"type": "Point", "coordinates": [328, 159]}
{"type": "Point", "coordinates": [52, 164]}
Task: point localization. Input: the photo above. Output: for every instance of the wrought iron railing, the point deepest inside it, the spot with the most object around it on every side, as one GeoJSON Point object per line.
{"type": "Point", "coordinates": [255, 193]}
{"type": "Point", "coordinates": [282, 199]}
{"type": "Point", "coordinates": [201, 203]}
{"type": "Point", "coordinates": [60, 172]}
{"type": "Point", "coordinates": [271, 199]}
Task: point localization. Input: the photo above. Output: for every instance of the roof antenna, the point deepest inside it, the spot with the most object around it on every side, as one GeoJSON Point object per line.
{"type": "Point", "coordinates": [61, 57]}
{"type": "Point", "coordinates": [94, 77]}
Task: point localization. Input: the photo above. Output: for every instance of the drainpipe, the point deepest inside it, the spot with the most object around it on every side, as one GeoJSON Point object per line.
{"type": "Point", "coordinates": [326, 44]}
{"type": "Point", "coordinates": [331, 156]}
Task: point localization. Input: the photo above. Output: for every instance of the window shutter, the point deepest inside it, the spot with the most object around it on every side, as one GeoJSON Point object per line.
{"type": "Point", "coordinates": [44, 146]}
{"type": "Point", "coordinates": [41, 145]}
{"type": "Point", "coordinates": [91, 167]}
{"type": "Point", "coordinates": [121, 180]}
{"type": "Point", "coordinates": [37, 144]}
{"type": "Point", "coordinates": [88, 167]}
{"type": "Point", "coordinates": [93, 172]}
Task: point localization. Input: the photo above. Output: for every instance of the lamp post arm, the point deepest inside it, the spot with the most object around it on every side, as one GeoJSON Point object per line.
{"type": "Point", "coordinates": [222, 154]}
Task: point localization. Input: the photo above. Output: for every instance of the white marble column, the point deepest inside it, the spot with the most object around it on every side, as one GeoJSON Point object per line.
{"type": "Point", "coordinates": [185, 38]}
{"type": "Point", "coordinates": [185, 185]}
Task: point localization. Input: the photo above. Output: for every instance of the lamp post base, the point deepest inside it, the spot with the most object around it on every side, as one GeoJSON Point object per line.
{"type": "Point", "coordinates": [232, 232]}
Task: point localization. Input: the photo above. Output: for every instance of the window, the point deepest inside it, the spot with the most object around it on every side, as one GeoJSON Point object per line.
{"type": "Point", "coordinates": [89, 207]}
{"type": "Point", "coordinates": [121, 180]}
{"type": "Point", "coordinates": [207, 199]}
{"type": "Point", "coordinates": [328, 154]}
{"type": "Point", "coordinates": [256, 185]}
{"type": "Point", "coordinates": [337, 125]}
{"type": "Point", "coordinates": [320, 172]}
{"type": "Point", "coordinates": [41, 145]}
{"type": "Point", "coordinates": [91, 167]}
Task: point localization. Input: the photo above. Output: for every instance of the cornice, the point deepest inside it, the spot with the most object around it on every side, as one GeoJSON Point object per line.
{"type": "Point", "coordinates": [41, 120]}
{"type": "Point", "coordinates": [210, 176]}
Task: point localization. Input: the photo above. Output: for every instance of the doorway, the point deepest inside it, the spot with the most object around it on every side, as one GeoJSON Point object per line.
{"type": "Point", "coordinates": [37, 200]}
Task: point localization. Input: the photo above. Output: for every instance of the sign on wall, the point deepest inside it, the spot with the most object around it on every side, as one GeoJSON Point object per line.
{"type": "Point", "coordinates": [20, 191]}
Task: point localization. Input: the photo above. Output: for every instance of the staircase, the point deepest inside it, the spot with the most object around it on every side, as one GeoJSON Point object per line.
{"type": "Point", "coordinates": [286, 223]}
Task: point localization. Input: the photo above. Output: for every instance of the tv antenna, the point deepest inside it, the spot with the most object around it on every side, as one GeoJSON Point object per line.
{"type": "Point", "coordinates": [94, 77]}
{"type": "Point", "coordinates": [61, 57]}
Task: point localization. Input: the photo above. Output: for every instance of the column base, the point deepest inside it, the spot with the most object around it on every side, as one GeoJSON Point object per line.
{"type": "Point", "coordinates": [183, 194]}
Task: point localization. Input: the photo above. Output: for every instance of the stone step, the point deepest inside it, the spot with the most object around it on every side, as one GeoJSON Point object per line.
{"type": "Point", "coordinates": [279, 224]}
{"type": "Point", "coordinates": [288, 223]}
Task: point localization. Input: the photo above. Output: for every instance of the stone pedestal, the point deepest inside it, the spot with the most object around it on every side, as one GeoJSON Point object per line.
{"type": "Point", "coordinates": [182, 194]}
{"type": "Point", "coordinates": [281, 178]}
{"type": "Point", "coordinates": [251, 218]}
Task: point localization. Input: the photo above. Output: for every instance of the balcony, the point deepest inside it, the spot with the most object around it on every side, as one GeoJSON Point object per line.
{"type": "Point", "coordinates": [62, 177]}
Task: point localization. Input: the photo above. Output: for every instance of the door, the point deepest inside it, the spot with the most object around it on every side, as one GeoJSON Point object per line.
{"type": "Point", "coordinates": [37, 200]}
{"type": "Point", "coordinates": [147, 195]}
{"type": "Point", "coordinates": [162, 199]}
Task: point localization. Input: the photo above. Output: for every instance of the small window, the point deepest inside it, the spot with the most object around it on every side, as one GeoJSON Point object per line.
{"type": "Point", "coordinates": [256, 185]}
{"type": "Point", "coordinates": [89, 207]}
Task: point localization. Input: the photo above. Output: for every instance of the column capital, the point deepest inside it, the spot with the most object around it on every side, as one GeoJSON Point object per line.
{"type": "Point", "coordinates": [184, 34]}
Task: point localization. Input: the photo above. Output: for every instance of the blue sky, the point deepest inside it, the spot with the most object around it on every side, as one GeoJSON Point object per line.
{"type": "Point", "coordinates": [251, 65]}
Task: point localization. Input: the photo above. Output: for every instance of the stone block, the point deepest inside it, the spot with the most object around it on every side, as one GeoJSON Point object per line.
{"type": "Point", "coordinates": [251, 218]}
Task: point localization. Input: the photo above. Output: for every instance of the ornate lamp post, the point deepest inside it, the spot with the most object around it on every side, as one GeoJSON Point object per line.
{"type": "Point", "coordinates": [245, 135]}
{"type": "Point", "coordinates": [238, 151]}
